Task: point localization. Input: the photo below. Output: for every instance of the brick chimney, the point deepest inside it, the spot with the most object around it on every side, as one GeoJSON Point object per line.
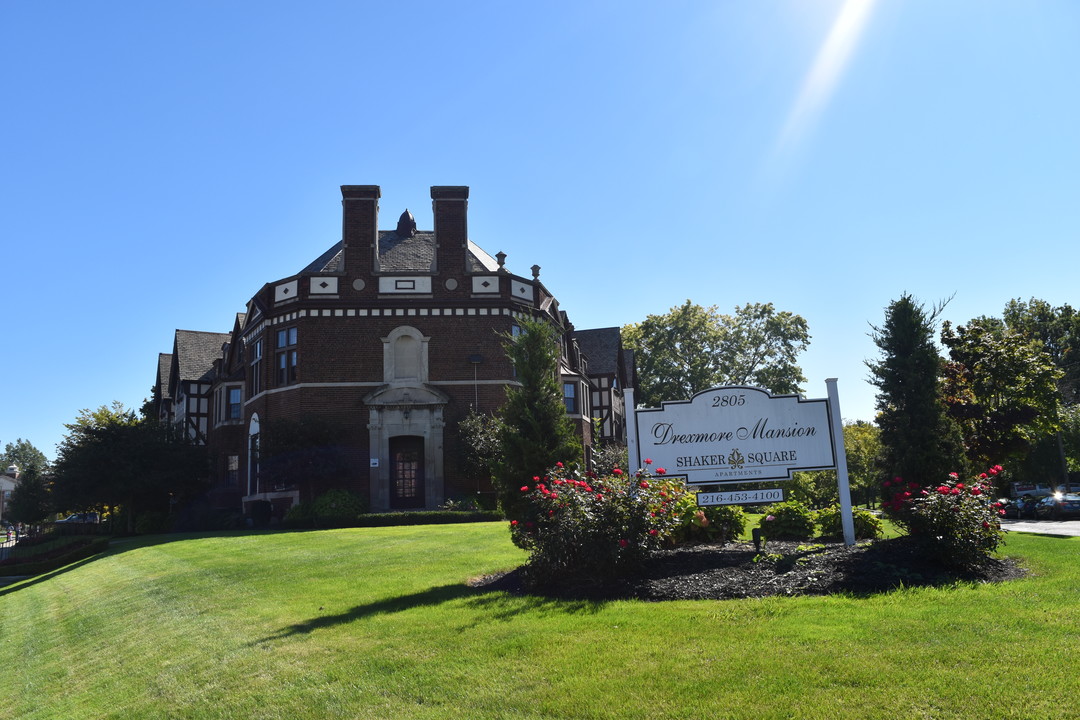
{"type": "Point", "coordinates": [450, 204]}
{"type": "Point", "coordinates": [360, 228]}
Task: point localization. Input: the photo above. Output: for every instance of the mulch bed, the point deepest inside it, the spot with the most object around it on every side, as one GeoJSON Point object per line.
{"type": "Point", "coordinates": [782, 568]}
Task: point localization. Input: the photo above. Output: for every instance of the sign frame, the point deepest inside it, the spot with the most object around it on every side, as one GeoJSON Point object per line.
{"type": "Point", "coordinates": [736, 434]}
{"type": "Point", "coordinates": [826, 452]}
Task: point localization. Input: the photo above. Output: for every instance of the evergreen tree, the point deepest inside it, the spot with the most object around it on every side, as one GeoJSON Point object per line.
{"type": "Point", "coordinates": [920, 442]}
{"type": "Point", "coordinates": [30, 501]}
{"type": "Point", "coordinates": [536, 433]}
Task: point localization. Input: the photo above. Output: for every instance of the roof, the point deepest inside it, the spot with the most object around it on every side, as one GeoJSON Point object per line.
{"type": "Point", "coordinates": [164, 375]}
{"type": "Point", "coordinates": [601, 347]}
{"type": "Point", "coordinates": [401, 253]}
{"type": "Point", "coordinates": [195, 353]}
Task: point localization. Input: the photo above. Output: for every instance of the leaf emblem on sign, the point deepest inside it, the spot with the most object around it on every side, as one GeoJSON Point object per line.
{"type": "Point", "coordinates": [736, 459]}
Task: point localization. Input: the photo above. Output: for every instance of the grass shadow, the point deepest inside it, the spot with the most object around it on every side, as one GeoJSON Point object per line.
{"type": "Point", "coordinates": [492, 600]}
{"type": "Point", "coordinates": [14, 583]}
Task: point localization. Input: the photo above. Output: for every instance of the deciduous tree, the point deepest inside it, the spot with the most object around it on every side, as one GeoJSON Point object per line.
{"type": "Point", "coordinates": [25, 456]}
{"type": "Point", "coordinates": [1002, 389]}
{"type": "Point", "coordinates": [110, 457]}
{"type": "Point", "coordinates": [1057, 330]}
{"type": "Point", "coordinates": [692, 348]}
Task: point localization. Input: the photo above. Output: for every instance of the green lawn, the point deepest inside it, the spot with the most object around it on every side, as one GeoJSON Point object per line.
{"type": "Point", "coordinates": [379, 623]}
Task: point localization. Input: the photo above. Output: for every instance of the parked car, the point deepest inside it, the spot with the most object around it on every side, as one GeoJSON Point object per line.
{"type": "Point", "coordinates": [80, 518]}
{"type": "Point", "coordinates": [1025, 506]}
{"type": "Point", "coordinates": [1011, 508]}
{"type": "Point", "coordinates": [1058, 506]}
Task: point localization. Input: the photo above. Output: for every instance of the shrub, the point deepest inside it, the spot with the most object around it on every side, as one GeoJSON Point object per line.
{"type": "Point", "coordinates": [590, 528]}
{"type": "Point", "coordinates": [789, 520]}
{"type": "Point", "coordinates": [299, 516]}
{"type": "Point", "coordinates": [261, 512]}
{"type": "Point", "coordinates": [712, 523]}
{"type": "Point", "coordinates": [151, 523]}
{"type": "Point", "coordinates": [958, 523]}
{"type": "Point", "coordinates": [867, 525]}
{"type": "Point", "coordinates": [336, 508]}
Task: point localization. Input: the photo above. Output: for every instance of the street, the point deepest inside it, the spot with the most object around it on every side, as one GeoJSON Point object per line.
{"type": "Point", "coordinates": [1043, 527]}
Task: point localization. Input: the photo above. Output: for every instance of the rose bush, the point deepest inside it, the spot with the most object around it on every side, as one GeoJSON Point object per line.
{"type": "Point", "coordinates": [957, 522]}
{"type": "Point", "coordinates": [577, 526]}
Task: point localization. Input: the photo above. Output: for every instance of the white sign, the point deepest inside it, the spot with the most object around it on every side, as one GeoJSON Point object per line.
{"type": "Point", "coordinates": [741, 497]}
{"type": "Point", "coordinates": [736, 434]}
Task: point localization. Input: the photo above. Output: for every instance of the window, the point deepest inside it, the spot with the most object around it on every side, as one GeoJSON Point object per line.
{"type": "Point", "coordinates": [569, 391]}
{"type": "Point", "coordinates": [232, 403]}
{"type": "Point", "coordinates": [255, 385]}
{"type": "Point", "coordinates": [232, 470]}
{"type": "Point", "coordinates": [285, 361]}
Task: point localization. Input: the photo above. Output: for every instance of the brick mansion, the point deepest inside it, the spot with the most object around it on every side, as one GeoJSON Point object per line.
{"type": "Point", "coordinates": [392, 336]}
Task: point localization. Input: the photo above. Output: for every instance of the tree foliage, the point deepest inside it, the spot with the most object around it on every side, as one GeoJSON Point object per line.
{"type": "Point", "coordinates": [920, 442]}
{"type": "Point", "coordinates": [25, 456]}
{"type": "Point", "coordinates": [1001, 388]}
{"type": "Point", "coordinates": [1057, 331]}
{"type": "Point", "coordinates": [691, 348]}
{"type": "Point", "coordinates": [30, 500]}
{"type": "Point", "coordinates": [536, 433]}
{"type": "Point", "coordinates": [862, 448]}
{"type": "Point", "coordinates": [481, 444]}
{"type": "Point", "coordinates": [109, 457]}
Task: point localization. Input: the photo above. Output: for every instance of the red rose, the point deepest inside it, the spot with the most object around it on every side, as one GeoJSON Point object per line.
{"type": "Point", "coordinates": [944, 489]}
{"type": "Point", "coordinates": [616, 471]}
{"type": "Point", "coordinates": [653, 531]}
{"type": "Point", "coordinates": [623, 543]}
{"type": "Point", "coordinates": [558, 464]}
{"type": "Point", "coordinates": [660, 471]}
{"type": "Point", "coordinates": [513, 523]}
{"type": "Point", "coordinates": [643, 484]}
{"type": "Point", "coordinates": [524, 488]}
{"type": "Point", "coordinates": [648, 461]}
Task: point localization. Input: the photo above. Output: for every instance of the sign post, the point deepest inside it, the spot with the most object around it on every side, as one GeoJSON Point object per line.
{"type": "Point", "coordinates": [842, 487]}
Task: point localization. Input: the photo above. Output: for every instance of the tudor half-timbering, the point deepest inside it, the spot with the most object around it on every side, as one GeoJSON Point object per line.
{"type": "Point", "coordinates": [390, 337]}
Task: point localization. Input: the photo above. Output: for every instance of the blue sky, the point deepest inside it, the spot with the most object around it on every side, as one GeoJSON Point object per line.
{"type": "Point", "coordinates": [160, 162]}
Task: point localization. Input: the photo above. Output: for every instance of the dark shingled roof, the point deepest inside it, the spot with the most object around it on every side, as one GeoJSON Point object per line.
{"type": "Point", "coordinates": [164, 375]}
{"type": "Point", "coordinates": [196, 352]}
{"type": "Point", "coordinates": [403, 254]}
{"type": "Point", "coordinates": [601, 347]}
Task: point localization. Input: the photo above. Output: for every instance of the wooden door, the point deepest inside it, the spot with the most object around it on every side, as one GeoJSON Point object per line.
{"type": "Point", "coordinates": [406, 472]}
